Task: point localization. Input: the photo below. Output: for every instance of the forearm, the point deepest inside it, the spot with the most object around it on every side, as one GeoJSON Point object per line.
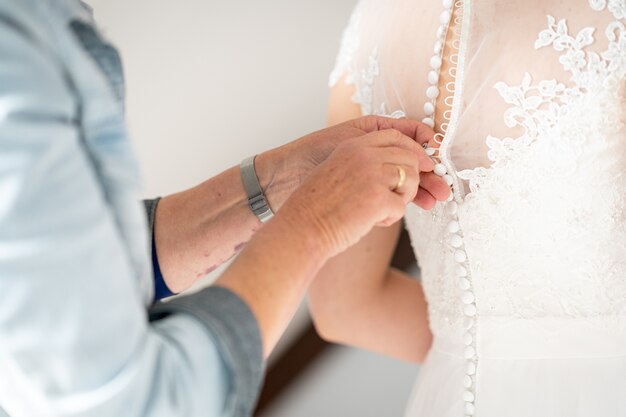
{"type": "Point", "coordinates": [198, 229]}
{"type": "Point", "coordinates": [272, 275]}
{"type": "Point", "coordinates": [350, 279]}
{"type": "Point", "coordinates": [391, 319]}
{"type": "Point", "coordinates": [358, 300]}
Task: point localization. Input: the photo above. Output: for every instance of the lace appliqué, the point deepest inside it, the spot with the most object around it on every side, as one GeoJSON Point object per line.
{"type": "Point", "coordinates": [560, 181]}
{"type": "Point", "coordinates": [427, 230]}
{"type": "Point", "coordinates": [364, 79]}
{"type": "Point", "coordinates": [550, 109]}
{"type": "Point", "coordinates": [364, 95]}
{"type": "Point", "coordinates": [617, 7]}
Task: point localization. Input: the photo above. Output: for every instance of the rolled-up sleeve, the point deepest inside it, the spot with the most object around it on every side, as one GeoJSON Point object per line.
{"type": "Point", "coordinates": [75, 336]}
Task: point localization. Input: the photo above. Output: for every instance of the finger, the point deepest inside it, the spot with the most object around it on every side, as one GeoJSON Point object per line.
{"type": "Point", "coordinates": [424, 199]}
{"type": "Point", "coordinates": [435, 185]}
{"type": "Point", "coordinates": [415, 130]}
{"type": "Point", "coordinates": [405, 185]}
{"type": "Point", "coordinates": [395, 210]}
{"type": "Point", "coordinates": [394, 138]}
{"type": "Point", "coordinates": [398, 157]}
{"type": "Point", "coordinates": [391, 137]}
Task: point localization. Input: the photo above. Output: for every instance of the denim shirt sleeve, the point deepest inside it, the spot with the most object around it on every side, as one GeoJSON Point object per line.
{"type": "Point", "coordinates": [75, 336]}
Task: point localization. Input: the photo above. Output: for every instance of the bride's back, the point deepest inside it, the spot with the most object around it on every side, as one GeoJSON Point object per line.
{"type": "Point", "coordinates": [529, 260]}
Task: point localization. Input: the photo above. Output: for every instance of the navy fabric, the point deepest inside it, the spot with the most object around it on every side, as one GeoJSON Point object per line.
{"type": "Point", "coordinates": [161, 289]}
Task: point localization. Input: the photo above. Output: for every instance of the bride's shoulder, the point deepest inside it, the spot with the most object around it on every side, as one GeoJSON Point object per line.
{"type": "Point", "coordinates": [397, 11]}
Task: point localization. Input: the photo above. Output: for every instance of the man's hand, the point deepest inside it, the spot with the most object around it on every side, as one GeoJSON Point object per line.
{"type": "Point", "coordinates": [284, 169]}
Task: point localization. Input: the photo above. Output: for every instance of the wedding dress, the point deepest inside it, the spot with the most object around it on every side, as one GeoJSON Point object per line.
{"type": "Point", "coordinates": [525, 269]}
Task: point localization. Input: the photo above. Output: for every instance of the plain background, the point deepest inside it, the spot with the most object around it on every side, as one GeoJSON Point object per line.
{"type": "Point", "coordinates": [212, 82]}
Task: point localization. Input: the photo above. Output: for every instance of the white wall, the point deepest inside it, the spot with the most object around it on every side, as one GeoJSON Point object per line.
{"type": "Point", "coordinates": [211, 82]}
{"type": "Point", "coordinates": [349, 383]}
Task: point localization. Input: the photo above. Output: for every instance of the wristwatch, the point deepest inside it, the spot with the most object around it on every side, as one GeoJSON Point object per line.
{"type": "Point", "coordinates": [256, 198]}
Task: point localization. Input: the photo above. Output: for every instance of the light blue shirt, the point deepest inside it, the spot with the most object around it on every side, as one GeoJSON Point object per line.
{"type": "Point", "coordinates": [75, 274]}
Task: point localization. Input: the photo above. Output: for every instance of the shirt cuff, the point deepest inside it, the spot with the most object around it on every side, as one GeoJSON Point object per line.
{"type": "Point", "coordinates": [238, 337]}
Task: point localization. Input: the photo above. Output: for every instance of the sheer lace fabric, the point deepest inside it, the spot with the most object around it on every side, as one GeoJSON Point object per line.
{"type": "Point", "coordinates": [536, 143]}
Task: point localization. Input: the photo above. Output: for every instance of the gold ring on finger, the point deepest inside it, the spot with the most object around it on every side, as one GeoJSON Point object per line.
{"type": "Point", "coordinates": [401, 177]}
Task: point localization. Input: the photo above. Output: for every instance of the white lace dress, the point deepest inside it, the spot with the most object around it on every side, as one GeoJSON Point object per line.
{"type": "Point", "coordinates": [525, 270]}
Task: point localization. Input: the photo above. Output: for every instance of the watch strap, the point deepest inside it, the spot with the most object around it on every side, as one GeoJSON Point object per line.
{"type": "Point", "coordinates": [256, 198]}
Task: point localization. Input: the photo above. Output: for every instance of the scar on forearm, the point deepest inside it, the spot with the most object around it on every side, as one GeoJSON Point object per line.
{"type": "Point", "coordinates": [238, 247]}
{"type": "Point", "coordinates": [207, 272]}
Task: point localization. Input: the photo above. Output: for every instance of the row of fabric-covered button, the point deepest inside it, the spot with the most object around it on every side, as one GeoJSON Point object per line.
{"type": "Point", "coordinates": [455, 237]}
{"type": "Point", "coordinates": [432, 92]}
{"type": "Point", "coordinates": [468, 299]}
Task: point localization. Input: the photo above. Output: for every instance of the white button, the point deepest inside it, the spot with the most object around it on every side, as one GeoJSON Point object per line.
{"type": "Point", "coordinates": [447, 4]}
{"type": "Point", "coordinates": [440, 169]}
{"type": "Point", "coordinates": [448, 179]}
{"type": "Point", "coordinates": [460, 256]}
{"type": "Point", "coordinates": [428, 121]}
{"type": "Point", "coordinates": [433, 77]}
{"type": "Point", "coordinates": [441, 32]}
{"type": "Point", "coordinates": [453, 226]}
{"type": "Point", "coordinates": [438, 46]}
{"type": "Point", "coordinates": [450, 197]}
{"type": "Point", "coordinates": [469, 310]}
{"type": "Point", "coordinates": [430, 151]}
{"type": "Point", "coordinates": [467, 381]}
{"type": "Point", "coordinates": [468, 396]}
{"type": "Point", "coordinates": [456, 241]}
{"type": "Point", "coordinates": [435, 62]}
{"type": "Point", "coordinates": [461, 271]}
{"type": "Point", "coordinates": [452, 208]}
{"type": "Point", "coordinates": [429, 108]}
{"type": "Point", "coordinates": [444, 17]}
{"type": "Point", "coordinates": [468, 297]}
{"type": "Point", "coordinates": [464, 284]}
{"type": "Point", "coordinates": [471, 368]}
{"type": "Point", "coordinates": [469, 409]}
{"type": "Point", "coordinates": [432, 92]}
{"type": "Point", "coordinates": [468, 323]}
{"type": "Point", "coordinates": [469, 352]}
{"type": "Point", "coordinates": [467, 339]}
